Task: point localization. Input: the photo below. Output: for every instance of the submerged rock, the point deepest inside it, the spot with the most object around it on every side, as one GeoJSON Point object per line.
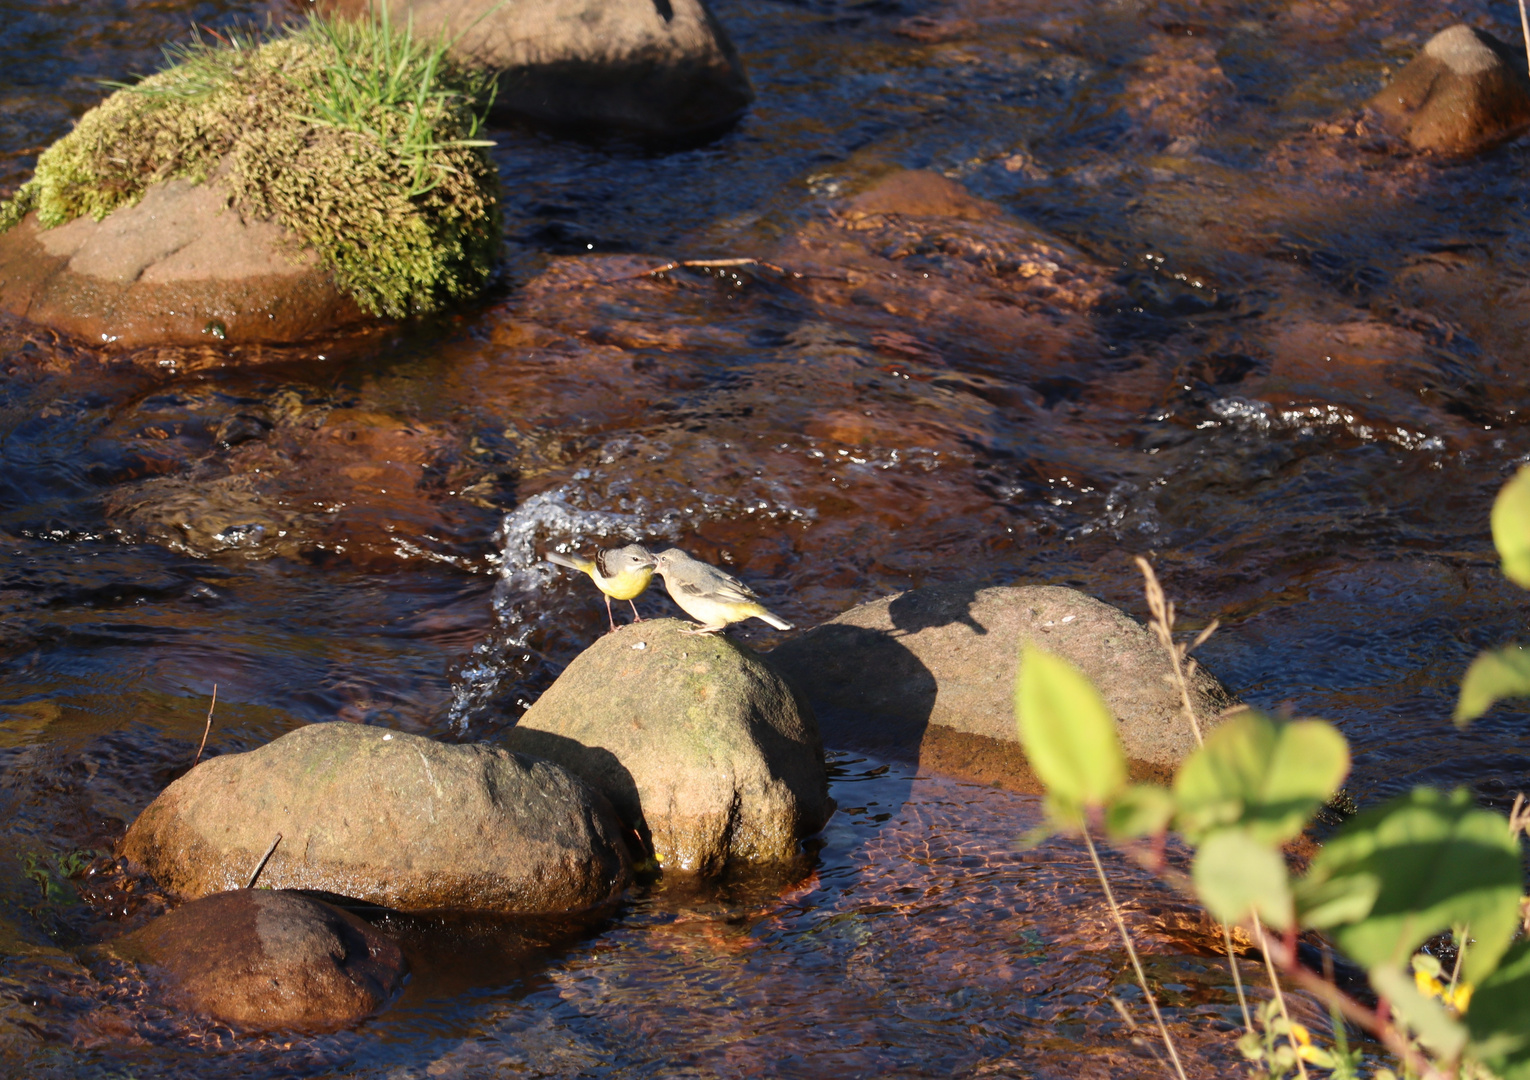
{"type": "Point", "coordinates": [889, 673]}
{"type": "Point", "coordinates": [180, 267]}
{"type": "Point", "coordinates": [696, 741]}
{"type": "Point", "coordinates": [263, 959]}
{"type": "Point", "coordinates": [386, 817]}
{"type": "Point", "coordinates": [659, 68]}
{"type": "Point", "coordinates": [1465, 91]}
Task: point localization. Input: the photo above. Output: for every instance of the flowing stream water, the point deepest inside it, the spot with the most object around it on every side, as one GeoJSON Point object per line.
{"type": "Point", "coordinates": [1220, 321]}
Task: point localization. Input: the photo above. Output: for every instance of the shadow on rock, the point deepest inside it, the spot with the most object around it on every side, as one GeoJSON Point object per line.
{"type": "Point", "coordinates": [600, 768]}
{"type": "Point", "coordinates": [929, 676]}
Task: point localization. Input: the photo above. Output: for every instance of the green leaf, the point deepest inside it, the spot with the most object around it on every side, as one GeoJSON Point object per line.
{"type": "Point", "coordinates": [1427, 861]}
{"type": "Point", "coordinates": [1266, 776]}
{"type": "Point", "coordinates": [1140, 810]}
{"type": "Point", "coordinates": [1236, 875]}
{"type": "Point", "coordinates": [1496, 1017]}
{"type": "Point", "coordinates": [1511, 527]}
{"type": "Point", "coordinates": [1425, 1016]}
{"type": "Point", "coordinates": [1502, 673]}
{"type": "Point", "coordinates": [1067, 731]}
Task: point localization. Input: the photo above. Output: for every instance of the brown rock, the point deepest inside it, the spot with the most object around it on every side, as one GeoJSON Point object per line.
{"type": "Point", "coordinates": [919, 193]}
{"type": "Point", "coordinates": [661, 68]}
{"type": "Point", "coordinates": [1465, 91]}
{"type": "Point", "coordinates": [696, 741]}
{"type": "Point", "coordinates": [386, 817]}
{"type": "Point", "coordinates": [885, 673]}
{"type": "Point", "coordinates": [262, 959]}
{"type": "Point", "coordinates": [179, 267]}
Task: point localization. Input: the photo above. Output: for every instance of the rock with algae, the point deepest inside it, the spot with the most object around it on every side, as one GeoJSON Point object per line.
{"type": "Point", "coordinates": [260, 191]}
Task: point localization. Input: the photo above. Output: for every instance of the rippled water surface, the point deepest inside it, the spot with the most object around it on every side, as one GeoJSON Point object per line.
{"type": "Point", "coordinates": [1218, 319]}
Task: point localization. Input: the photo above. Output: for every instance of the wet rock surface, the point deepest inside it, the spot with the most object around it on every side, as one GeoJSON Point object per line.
{"type": "Point", "coordinates": [389, 818]}
{"type": "Point", "coordinates": [887, 673]}
{"type": "Point", "coordinates": [697, 742]}
{"type": "Point", "coordinates": [634, 67]}
{"type": "Point", "coordinates": [180, 267]}
{"type": "Point", "coordinates": [264, 959]}
{"type": "Point", "coordinates": [1465, 91]}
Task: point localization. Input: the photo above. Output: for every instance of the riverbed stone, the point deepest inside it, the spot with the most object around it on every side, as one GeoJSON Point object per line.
{"type": "Point", "coordinates": [909, 672]}
{"type": "Point", "coordinates": [386, 817]}
{"type": "Point", "coordinates": [180, 267]}
{"type": "Point", "coordinates": [263, 959]}
{"type": "Point", "coordinates": [658, 68]}
{"type": "Point", "coordinates": [1465, 91]}
{"type": "Point", "coordinates": [697, 741]}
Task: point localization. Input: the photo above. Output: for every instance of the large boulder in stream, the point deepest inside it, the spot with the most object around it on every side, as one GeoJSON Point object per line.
{"type": "Point", "coordinates": [932, 672]}
{"type": "Point", "coordinates": [262, 959]}
{"type": "Point", "coordinates": [180, 267]}
{"type": "Point", "coordinates": [1465, 91]}
{"type": "Point", "coordinates": [655, 68]}
{"type": "Point", "coordinates": [389, 818]}
{"type": "Point", "coordinates": [698, 743]}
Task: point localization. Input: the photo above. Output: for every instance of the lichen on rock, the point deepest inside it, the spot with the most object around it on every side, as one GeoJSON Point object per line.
{"type": "Point", "coordinates": [355, 136]}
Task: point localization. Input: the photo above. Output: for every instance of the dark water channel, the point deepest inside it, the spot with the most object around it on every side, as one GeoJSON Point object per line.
{"type": "Point", "coordinates": [1220, 323]}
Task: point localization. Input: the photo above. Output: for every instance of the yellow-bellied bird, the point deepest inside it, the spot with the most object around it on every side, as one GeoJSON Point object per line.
{"type": "Point", "coordinates": [621, 573]}
{"type": "Point", "coordinates": [708, 595]}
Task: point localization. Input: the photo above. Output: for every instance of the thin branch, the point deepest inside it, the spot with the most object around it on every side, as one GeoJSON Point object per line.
{"type": "Point", "coordinates": [1126, 939]}
{"type": "Point", "coordinates": [1232, 964]}
{"type": "Point", "coordinates": [1524, 25]}
{"type": "Point", "coordinates": [263, 860]}
{"type": "Point", "coordinates": [207, 730]}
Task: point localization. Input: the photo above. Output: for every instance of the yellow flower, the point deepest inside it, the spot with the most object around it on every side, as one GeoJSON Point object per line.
{"type": "Point", "coordinates": [1301, 1034]}
{"type": "Point", "coordinates": [1460, 997]}
{"type": "Point", "coordinates": [1427, 984]}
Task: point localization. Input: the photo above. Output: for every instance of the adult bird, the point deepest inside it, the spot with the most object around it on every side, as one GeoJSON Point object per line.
{"type": "Point", "coordinates": [621, 573]}
{"type": "Point", "coordinates": [711, 597]}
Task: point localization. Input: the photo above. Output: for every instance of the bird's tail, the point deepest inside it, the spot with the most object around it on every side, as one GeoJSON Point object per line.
{"type": "Point", "coordinates": [573, 562]}
{"type": "Point", "coordinates": [774, 620]}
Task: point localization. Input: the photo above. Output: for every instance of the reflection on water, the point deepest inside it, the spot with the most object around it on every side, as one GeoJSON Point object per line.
{"type": "Point", "coordinates": [1205, 312]}
{"type": "Point", "coordinates": [918, 941]}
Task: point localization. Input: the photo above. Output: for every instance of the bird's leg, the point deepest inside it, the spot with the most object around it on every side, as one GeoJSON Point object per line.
{"type": "Point", "coordinates": [610, 616]}
{"type": "Point", "coordinates": [711, 628]}
{"type": "Point", "coordinates": [635, 616]}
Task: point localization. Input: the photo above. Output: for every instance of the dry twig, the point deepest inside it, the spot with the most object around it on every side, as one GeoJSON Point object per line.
{"type": "Point", "coordinates": [1163, 626]}
{"type": "Point", "coordinates": [208, 729]}
{"type": "Point", "coordinates": [263, 860]}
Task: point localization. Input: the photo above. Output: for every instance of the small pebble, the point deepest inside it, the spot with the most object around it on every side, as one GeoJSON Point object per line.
{"type": "Point", "coordinates": [387, 737]}
{"type": "Point", "coordinates": [641, 645]}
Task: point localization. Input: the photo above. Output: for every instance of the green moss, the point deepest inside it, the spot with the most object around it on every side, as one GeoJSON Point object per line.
{"type": "Point", "coordinates": [357, 138]}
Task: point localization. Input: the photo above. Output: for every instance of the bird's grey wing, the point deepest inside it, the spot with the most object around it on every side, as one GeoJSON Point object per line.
{"type": "Point", "coordinates": [727, 587]}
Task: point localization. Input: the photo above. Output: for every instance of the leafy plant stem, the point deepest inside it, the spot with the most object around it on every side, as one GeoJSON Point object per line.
{"type": "Point", "coordinates": [1280, 996]}
{"type": "Point", "coordinates": [1126, 939]}
{"type": "Point", "coordinates": [1373, 1020]}
{"type": "Point", "coordinates": [1232, 965]}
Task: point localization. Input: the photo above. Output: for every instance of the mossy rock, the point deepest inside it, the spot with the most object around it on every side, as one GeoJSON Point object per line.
{"type": "Point", "coordinates": [700, 745]}
{"type": "Point", "coordinates": [353, 142]}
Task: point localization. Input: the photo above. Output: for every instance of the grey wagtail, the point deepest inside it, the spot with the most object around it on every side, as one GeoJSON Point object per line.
{"type": "Point", "coordinates": [622, 573]}
{"type": "Point", "coordinates": [708, 595]}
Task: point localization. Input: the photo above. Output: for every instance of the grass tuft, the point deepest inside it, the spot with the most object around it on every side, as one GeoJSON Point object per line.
{"type": "Point", "coordinates": [359, 138]}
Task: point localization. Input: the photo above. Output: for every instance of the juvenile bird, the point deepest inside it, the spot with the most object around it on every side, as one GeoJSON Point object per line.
{"type": "Point", "coordinates": [708, 595]}
{"type": "Point", "coordinates": [622, 573]}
